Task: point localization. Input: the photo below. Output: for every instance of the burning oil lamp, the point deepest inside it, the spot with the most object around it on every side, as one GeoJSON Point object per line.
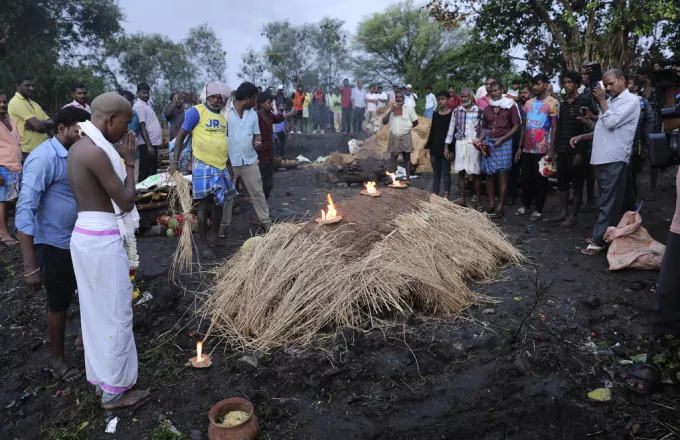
{"type": "Point", "coordinates": [201, 360]}
{"type": "Point", "coordinates": [370, 190]}
{"type": "Point", "coordinates": [396, 183]}
{"type": "Point", "coordinates": [331, 216]}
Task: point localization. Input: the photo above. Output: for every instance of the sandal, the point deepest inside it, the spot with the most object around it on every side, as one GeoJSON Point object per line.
{"type": "Point", "coordinates": [536, 216]}
{"type": "Point", "coordinates": [593, 250]}
{"type": "Point", "coordinates": [9, 242]}
{"type": "Point", "coordinates": [648, 375]}
{"type": "Point", "coordinates": [497, 214]}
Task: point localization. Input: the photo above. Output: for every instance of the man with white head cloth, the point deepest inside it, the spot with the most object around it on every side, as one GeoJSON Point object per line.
{"type": "Point", "coordinates": [207, 124]}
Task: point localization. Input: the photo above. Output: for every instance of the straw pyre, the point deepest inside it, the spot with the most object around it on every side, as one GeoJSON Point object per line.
{"type": "Point", "coordinates": [405, 251]}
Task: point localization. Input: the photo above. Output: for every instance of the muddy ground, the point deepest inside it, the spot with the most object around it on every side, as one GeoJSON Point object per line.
{"type": "Point", "coordinates": [421, 379]}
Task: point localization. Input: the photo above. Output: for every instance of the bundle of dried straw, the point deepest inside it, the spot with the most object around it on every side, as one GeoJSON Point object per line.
{"type": "Point", "coordinates": [298, 279]}
{"type": "Point", "coordinates": [180, 195]}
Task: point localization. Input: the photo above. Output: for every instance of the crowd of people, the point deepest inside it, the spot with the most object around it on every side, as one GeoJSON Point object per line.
{"type": "Point", "coordinates": [76, 216]}
{"type": "Point", "coordinates": [584, 131]}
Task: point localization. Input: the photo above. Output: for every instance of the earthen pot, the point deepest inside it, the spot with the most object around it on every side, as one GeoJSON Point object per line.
{"type": "Point", "coordinates": [245, 431]}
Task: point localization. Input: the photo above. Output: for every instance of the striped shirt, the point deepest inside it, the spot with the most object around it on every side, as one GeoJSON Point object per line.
{"type": "Point", "coordinates": [465, 124]}
{"type": "Point", "coordinates": [615, 130]}
{"type": "Point", "coordinates": [153, 127]}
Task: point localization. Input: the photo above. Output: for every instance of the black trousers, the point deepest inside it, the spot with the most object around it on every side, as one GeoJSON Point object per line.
{"type": "Point", "coordinates": [148, 163]}
{"type": "Point", "coordinates": [58, 276]}
{"type": "Point", "coordinates": [513, 175]}
{"type": "Point", "coordinates": [441, 167]}
{"type": "Point", "coordinates": [533, 184]}
{"type": "Point", "coordinates": [667, 312]}
{"type": "Point", "coordinates": [267, 172]}
{"type": "Point", "coordinates": [359, 118]}
{"type": "Point", "coordinates": [347, 120]}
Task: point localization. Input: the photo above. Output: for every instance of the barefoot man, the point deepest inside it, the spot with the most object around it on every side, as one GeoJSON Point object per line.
{"type": "Point", "coordinates": [212, 183]}
{"type": "Point", "coordinates": [104, 188]}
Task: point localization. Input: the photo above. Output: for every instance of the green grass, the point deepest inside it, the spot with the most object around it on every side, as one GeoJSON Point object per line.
{"type": "Point", "coordinates": [72, 431]}
{"type": "Point", "coordinates": [162, 432]}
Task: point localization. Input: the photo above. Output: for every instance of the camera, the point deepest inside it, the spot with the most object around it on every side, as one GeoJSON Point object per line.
{"type": "Point", "coordinates": [663, 149]}
{"type": "Point", "coordinates": [594, 72]}
{"type": "Point", "coordinates": [584, 111]}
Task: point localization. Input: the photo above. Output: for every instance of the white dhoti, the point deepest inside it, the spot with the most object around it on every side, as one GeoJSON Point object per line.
{"type": "Point", "coordinates": [102, 270]}
{"type": "Point", "coordinates": [468, 158]}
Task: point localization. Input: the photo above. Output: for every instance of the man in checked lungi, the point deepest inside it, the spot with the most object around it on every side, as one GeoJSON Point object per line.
{"type": "Point", "coordinates": [212, 185]}
{"type": "Point", "coordinates": [500, 121]}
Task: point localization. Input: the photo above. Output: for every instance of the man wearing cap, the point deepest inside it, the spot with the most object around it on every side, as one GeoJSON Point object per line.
{"type": "Point", "coordinates": [280, 98]}
{"type": "Point", "coordinates": [410, 97]}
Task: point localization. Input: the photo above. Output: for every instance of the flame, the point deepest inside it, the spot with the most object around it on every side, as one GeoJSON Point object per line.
{"type": "Point", "coordinates": [395, 182]}
{"type": "Point", "coordinates": [332, 213]}
{"type": "Point", "coordinates": [199, 351]}
{"type": "Point", "coordinates": [370, 187]}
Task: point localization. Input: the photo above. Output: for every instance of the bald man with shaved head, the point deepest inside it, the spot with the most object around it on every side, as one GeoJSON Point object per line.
{"type": "Point", "coordinates": [103, 248]}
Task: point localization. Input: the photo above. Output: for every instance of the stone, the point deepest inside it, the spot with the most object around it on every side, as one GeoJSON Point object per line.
{"type": "Point", "coordinates": [342, 185]}
{"type": "Point", "coordinates": [247, 363]}
{"type": "Point", "coordinates": [593, 302]}
{"type": "Point", "coordinates": [489, 311]}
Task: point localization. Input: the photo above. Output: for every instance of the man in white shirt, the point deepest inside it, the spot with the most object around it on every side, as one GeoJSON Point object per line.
{"type": "Point", "coordinates": [430, 103]}
{"type": "Point", "coordinates": [382, 98]}
{"type": "Point", "coordinates": [358, 106]}
{"type": "Point", "coordinates": [402, 120]}
{"type": "Point", "coordinates": [410, 97]}
{"type": "Point", "coordinates": [514, 91]}
{"type": "Point", "coordinates": [371, 108]}
{"type": "Point", "coordinates": [612, 147]}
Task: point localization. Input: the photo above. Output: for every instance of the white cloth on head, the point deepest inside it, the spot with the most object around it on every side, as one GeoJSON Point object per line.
{"type": "Point", "coordinates": [468, 158]}
{"type": "Point", "coordinates": [504, 103]}
{"type": "Point", "coordinates": [102, 272]}
{"type": "Point", "coordinates": [218, 88]}
{"type": "Point", "coordinates": [128, 222]}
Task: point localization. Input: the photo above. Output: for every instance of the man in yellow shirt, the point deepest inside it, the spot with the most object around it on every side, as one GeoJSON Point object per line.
{"type": "Point", "coordinates": [33, 124]}
{"type": "Point", "coordinates": [212, 185]}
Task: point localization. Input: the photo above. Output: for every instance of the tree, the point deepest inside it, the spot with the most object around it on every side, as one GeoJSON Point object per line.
{"type": "Point", "coordinates": [254, 68]}
{"type": "Point", "coordinates": [403, 44]}
{"type": "Point", "coordinates": [165, 65]}
{"type": "Point", "coordinates": [287, 51]}
{"type": "Point", "coordinates": [329, 41]}
{"type": "Point", "coordinates": [43, 37]}
{"type": "Point", "coordinates": [614, 32]}
{"type": "Point", "coordinates": [206, 53]}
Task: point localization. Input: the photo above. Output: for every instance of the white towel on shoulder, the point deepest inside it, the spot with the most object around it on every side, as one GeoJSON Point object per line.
{"type": "Point", "coordinates": [128, 222]}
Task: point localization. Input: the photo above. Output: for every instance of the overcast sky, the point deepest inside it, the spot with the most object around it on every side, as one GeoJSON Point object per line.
{"type": "Point", "coordinates": [238, 22]}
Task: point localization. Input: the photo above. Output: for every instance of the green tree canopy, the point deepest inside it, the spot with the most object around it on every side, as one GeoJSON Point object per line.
{"type": "Point", "coordinates": [559, 34]}
{"type": "Point", "coordinates": [46, 39]}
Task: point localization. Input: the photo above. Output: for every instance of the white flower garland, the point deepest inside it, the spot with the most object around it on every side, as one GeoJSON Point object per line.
{"type": "Point", "coordinates": [131, 249]}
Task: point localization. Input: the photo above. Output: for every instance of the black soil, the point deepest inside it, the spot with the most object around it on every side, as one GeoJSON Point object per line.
{"type": "Point", "coordinates": [421, 379]}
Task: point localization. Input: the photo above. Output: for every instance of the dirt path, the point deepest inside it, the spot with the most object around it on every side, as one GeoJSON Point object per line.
{"type": "Point", "coordinates": [421, 379]}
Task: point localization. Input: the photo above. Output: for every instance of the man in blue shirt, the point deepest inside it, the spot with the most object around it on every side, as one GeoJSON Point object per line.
{"type": "Point", "coordinates": [45, 216]}
{"type": "Point", "coordinates": [134, 127]}
{"type": "Point", "coordinates": [244, 141]}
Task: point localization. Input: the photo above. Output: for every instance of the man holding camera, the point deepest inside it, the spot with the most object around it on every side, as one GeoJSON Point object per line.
{"type": "Point", "coordinates": [612, 146]}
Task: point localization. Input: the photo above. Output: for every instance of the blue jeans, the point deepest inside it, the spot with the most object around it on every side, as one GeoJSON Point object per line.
{"type": "Point", "coordinates": [428, 113]}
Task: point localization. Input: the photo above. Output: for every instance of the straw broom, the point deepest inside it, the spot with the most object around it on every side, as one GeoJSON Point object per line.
{"type": "Point", "coordinates": [296, 280]}
{"type": "Point", "coordinates": [180, 196]}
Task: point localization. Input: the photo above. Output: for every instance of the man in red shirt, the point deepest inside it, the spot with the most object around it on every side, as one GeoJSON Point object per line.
{"type": "Point", "coordinates": [346, 104]}
{"type": "Point", "coordinates": [265, 152]}
{"type": "Point", "coordinates": [454, 100]}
